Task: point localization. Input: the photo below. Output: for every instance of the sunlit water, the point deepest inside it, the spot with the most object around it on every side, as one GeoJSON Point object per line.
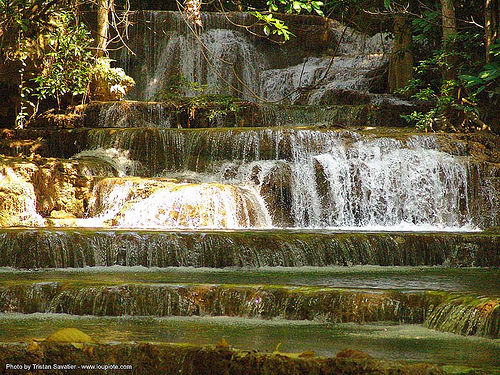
{"type": "Point", "coordinates": [482, 281]}
{"type": "Point", "coordinates": [303, 179]}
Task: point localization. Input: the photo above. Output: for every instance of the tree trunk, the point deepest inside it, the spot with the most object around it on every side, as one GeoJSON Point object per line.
{"type": "Point", "coordinates": [449, 30]}
{"type": "Point", "coordinates": [491, 25]}
{"type": "Point", "coordinates": [103, 7]}
{"type": "Point", "coordinates": [401, 60]}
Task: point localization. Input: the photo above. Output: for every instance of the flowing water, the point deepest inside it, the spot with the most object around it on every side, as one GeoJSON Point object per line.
{"type": "Point", "coordinates": [225, 58]}
{"type": "Point", "coordinates": [381, 340]}
{"type": "Point", "coordinates": [312, 178]}
{"type": "Point", "coordinates": [286, 231]}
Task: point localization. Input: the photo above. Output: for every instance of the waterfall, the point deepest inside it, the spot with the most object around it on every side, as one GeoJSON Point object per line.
{"type": "Point", "coordinates": [80, 248]}
{"type": "Point", "coordinates": [222, 56]}
{"type": "Point", "coordinates": [228, 59]}
{"type": "Point", "coordinates": [343, 72]}
{"type": "Point", "coordinates": [219, 300]}
{"type": "Point", "coordinates": [319, 179]}
{"type": "Point", "coordinates": [170, 204]}
{"type": "Point", "coordinates": [223, 60]}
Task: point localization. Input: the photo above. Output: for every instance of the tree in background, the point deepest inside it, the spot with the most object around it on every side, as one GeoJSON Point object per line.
{"type": "Point", "coordinates": [491, 26]}
{"type": "Point", "coordinates": [401, 60]}
{"type": "Point", "coordinates": [103, 9]}
{"type": "Point", "coordinates": [452, 76]}
{"type": "Point", "coordinates": [51, 58]}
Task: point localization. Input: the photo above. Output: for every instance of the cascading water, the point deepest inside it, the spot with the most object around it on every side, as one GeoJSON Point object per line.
{"type": "Point", "coordinates": [228, 60]}
{"type": "Point", "coordinates": [314, 178]}
{"type": "Point", "coordinates": [216, 59]}
{"type": "Point", "coordinates": [234, 204]}
{"type": "Point", "coordinates": [221, 57]}
{"type": "Point", "coordinates": [170, 204]}
{"type": "Point", "coordinates": [321, 73]}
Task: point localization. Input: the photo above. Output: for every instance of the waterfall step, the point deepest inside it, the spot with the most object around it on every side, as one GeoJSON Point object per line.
{"type": "Point", "coordinates": [261, 301]}
{"type": "Point", "coordinates": [296, 177]}
{"type": "Point", "coordinates": [469, 280]}
{"type": "Point", "coordinates": [226, 59]}
{"type": "Point", "coordinates": [60, 248]}
{"type": "Point", "coordinates": [134, 340]}
{"type": "Point", "coordinates": [345, 108]}
{"type": "Point", "coordinates": [44, 248]}
{"type": "Point", "coordinates": [456, 313]}
{"type": "Point", "coordinates": [65, 143]}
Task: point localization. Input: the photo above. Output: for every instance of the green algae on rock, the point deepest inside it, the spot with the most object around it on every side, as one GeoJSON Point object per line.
{"type": "Point", "coordinates": [291, 303]}
{"type": "Point", "coordinates": [42, 248]}
{"type": "Point", "coordinates": [467, 315]}
{"type": "Point", "coordinates": [195, 360]}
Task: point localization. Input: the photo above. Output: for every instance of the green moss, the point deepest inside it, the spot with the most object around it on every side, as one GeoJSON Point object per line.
{"type": "Point", "coordinates": [78, 248]}
{"type": "Point", "coordinates": [187, 359]}
{"type": "Point", "coordinates": [467, 315]}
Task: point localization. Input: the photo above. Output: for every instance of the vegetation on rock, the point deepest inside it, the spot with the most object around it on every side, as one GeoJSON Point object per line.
{"type": "Point", "coordinates": [50, 52]}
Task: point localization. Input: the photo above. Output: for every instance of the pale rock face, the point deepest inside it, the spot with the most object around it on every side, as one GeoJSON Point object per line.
{"type": "Point", "coordinates": [33, 189]}
{"type": "Point", "coordinates": [17, 201]}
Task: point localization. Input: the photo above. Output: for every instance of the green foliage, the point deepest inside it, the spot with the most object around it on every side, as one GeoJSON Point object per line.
{"type": "Point", "coordinates": [274, 26]}
{"type": "Point", "coordinates": [60, 63]}
{"type": "Point", "coordinates": [173, 93]}
{"type": "Point", "coordinates": [488, 79]}
{"type": "Point", "coordinates": [50, 49]}
{"type": "Point", "coordinates": [21, 20]}
{"type": "Point", "coordinates": [450, 103]}
{"type": "Point", "coordinates": [67, 64]}
{"type": "Point", "coordinates": [344, 9]}
{"type": "Point", "coordinates": [295, 6]}
{"type": "Point", "coordinates": [426, 28]}
{"type": "Point", "coordinates": [177, 85]}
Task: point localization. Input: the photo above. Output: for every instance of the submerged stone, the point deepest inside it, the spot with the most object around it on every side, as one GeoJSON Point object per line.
{"type": "Point", "coordinates": [71, 335]}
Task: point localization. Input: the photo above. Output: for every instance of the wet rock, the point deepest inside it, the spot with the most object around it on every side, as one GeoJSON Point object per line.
{"type": "Point", "coordinates": [187, 113]}
{"type": "Point", "coordinates": [467, 315]}
{"type": "Point", "coordinates": [354, 354]}
{"type": "Point", "coordinates": [50, 142]}
{"type": "Point", "coordinates": [276, 190]}
{"type": "Point", "coordinates": [39, 186]}
{"type": "Point", "coordinates": [326, 304]}
{"type": "Point", "coordinates": [135, 202]}
{"type": "Point", "coordinates": [194, 360]}
{"type": "Point", "coordinates": [17, 201]}
{"type": "Point", "coordinates": [68, 120]}
{"type": "Point", "coordinates": [345, 97]}
{"type": "Point", "coordinates": [80, 248]}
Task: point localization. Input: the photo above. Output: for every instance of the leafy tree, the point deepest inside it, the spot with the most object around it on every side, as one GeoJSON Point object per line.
{"type": "Point", "coordinates": [271, 25]}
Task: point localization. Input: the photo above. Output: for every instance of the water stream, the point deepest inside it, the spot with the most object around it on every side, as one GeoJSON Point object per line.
{"type": "Point", "coordinates": [394, 342]}
{"type": "Point", "coordinates": [287, 230]}
{"type": "Point", "coordinates": [301, 178]}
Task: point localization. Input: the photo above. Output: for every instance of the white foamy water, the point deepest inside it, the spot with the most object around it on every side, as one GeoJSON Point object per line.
{"type": "Point", "coordinates": [229, 60]}
{"type": "Point", "coordinates": [223, 60]}
{"type": "Point", "coordinates": [144, 203]}
{"type": "Point", "coordinates": [343, 72]}
{"type": "Point", "coordinates": [118, 159]}
{"type": "Point", "coordinates": [317, 179]}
